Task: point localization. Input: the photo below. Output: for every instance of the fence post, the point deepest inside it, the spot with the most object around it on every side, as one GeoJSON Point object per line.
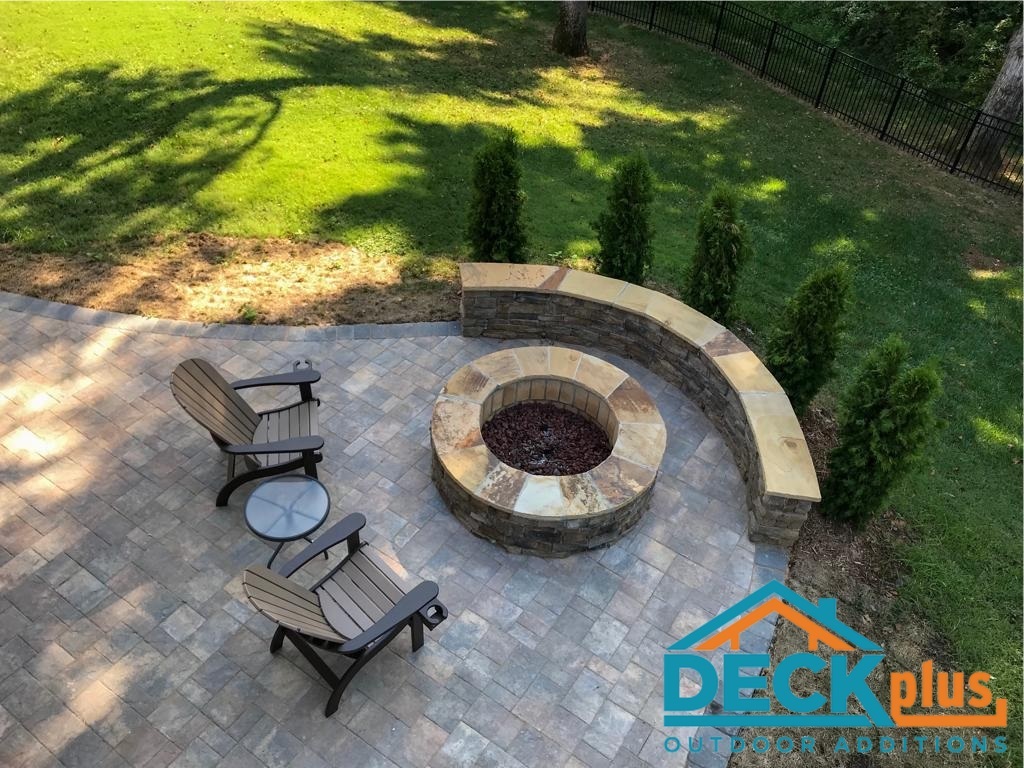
{"type": "Point", "coordinates": [650, 16]}
{"type": "Point", "coordinates": [718, 25]}
{"type": "Point", "coordinates": [824, 78]}
{"type": "Point", "coordinates": [892, 109]}
{"type": "Point", "coordinates": [768, 48]}
{"type": "Point", "coordinates": [966, 141]}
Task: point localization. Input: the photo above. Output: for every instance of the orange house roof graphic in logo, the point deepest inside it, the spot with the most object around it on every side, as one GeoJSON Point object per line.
{"type": "Point", "coordinates": [819, 621]}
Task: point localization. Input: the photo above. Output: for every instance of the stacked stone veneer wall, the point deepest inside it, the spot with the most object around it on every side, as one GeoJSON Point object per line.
{"type": "Point", "coordinates": [704, 359]}
{"type": "Point", "coordinates": [553, 537]}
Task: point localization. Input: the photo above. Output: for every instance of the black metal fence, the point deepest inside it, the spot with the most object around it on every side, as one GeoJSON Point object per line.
{"type": "Point", "coordinates": [963, 140]}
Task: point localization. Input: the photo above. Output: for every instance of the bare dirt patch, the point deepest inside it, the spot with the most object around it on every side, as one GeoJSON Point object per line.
{"type": "Point", "coordinates": [208, 278]}
{"type": "Point", "coordinates": [976, 261]}
{"type": "Point", "coordinates": [864, 572]}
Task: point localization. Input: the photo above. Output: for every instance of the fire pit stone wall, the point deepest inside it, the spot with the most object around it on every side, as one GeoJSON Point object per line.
{"type": "Point", "coordinates": [546, 515]}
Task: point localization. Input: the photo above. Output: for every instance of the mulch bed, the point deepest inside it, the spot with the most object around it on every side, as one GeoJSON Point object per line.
{"type": "Point", "coordinates": [543, 439]}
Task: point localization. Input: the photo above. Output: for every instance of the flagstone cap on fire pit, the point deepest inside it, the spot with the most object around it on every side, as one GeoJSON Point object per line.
{"type": "Point", "coordinates": [546, 514]}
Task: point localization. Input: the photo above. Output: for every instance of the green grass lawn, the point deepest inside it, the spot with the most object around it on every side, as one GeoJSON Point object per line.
{"type": "Point", "coordinates": [357, 123]}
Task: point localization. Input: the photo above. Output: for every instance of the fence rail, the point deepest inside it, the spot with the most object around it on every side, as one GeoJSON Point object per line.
{"type": "Point", "coordinates": [963, 140]}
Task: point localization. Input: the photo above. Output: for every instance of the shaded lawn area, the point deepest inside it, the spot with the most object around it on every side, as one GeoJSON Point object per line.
{"type": "Point", "coordinates": [357, 124]}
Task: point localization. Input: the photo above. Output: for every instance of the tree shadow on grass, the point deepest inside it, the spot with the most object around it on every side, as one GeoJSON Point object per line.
{"type": "Point", "coordinates": [106, 155]}
{"type": "Point", "coordinates": [98, 154]}
{"type": "Point", "coordinates": [490, 20]}
{"type": "Point", "coordinates": [106, 158]}
{"type": "Point", "coordinates": [478, 68]}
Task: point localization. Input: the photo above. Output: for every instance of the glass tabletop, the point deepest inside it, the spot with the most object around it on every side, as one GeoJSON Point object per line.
{"type": "Point", "coordinates": [287, 508]}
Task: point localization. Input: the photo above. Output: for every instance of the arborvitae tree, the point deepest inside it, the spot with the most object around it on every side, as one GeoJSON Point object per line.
{"type": "Point", "coordinates": [624, 229]}
{"type": "Point", "coordinates": [885, 418]}
{"type": "Point", "coordinates": [802, 349]}
{"type": "Point", "coordinates": [722, 248]}
{"type": "Point", "coordinates": [496, 229]}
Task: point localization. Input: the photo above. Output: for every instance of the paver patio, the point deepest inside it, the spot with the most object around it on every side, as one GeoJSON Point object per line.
{"type": "Point", "coordinates": [125, 638]}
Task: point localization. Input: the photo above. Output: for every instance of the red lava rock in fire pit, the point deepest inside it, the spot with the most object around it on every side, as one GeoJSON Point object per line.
{"type": "Point", "coordinates": [544, 439]}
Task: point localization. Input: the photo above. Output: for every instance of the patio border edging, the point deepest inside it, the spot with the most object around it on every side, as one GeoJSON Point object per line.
{"type": "Point", "coordinates": [55, 310]}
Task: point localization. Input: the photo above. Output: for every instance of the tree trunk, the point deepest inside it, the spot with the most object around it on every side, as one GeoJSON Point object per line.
{"type": "Point", "coordinates": [1004, 100]}
{"type": "Point", "coordinates": [571, 30]}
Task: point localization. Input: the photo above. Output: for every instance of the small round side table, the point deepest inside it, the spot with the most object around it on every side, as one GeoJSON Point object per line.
{"type": "Point", "coordinates": [287, 508]}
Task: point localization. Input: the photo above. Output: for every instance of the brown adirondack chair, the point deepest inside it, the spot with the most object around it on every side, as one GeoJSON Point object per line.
{"type": "Point", "coordinates": [359, 607]}
{"type": "Point", "coordinates": [270, 442]}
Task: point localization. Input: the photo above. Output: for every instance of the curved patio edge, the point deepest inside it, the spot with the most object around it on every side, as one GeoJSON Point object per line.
{"type": "Point", "coordinates": [137, 323]}
{"type": "Point", "coordinates": [704, 359]}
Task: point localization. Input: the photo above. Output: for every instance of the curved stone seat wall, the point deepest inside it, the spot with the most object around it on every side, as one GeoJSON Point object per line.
{"type": "Point", "coordinates": [704, 359]}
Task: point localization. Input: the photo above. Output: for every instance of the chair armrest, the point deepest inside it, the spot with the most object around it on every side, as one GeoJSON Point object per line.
{"type": "Point", "coordinates": [293, 445]}
{"type": "Point", "coordinates": [346, 529]}
{"type": "Point", "coordinates": [299, 376]}
{"type": "Point", "coordinates": [420, 596]}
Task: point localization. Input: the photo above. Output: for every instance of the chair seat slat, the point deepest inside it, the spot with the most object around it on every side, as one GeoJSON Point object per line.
{"type": "Point", "coordinates": [292, 415]}
{"type": "Point", "coordinates": [380, 574]}
{"type": "Point", "coordinates": [354, 605]}
{"type": "Point", "coordinates": [284, 425]}
{"type": "Point", "coordinates": [366, 587]}
{"type": "Point", "coordinates": [339, 620]}
{"type": "Point", "coordinates": [353, 590]}
{"type": "Point", "coordinates": [342, 613]}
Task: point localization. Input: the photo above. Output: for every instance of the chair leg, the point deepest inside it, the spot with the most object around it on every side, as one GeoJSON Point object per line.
{"type": "Point", "coordinates": [416, 627]}
{"type": "Point", "coordinates": [277, 641]}
{"type": "Point", "coordinates": [255, 474]}
{"type": "Point", "coordinates": [230, 487]}
{"type": "Point", "coordinates": [359, 663]}
{"type": "Point", "coordinates": [309, 461]}
{"type": "Point", "coordinates": [350, 673]}
{"type": "Point", "coordinates": [312, 657]}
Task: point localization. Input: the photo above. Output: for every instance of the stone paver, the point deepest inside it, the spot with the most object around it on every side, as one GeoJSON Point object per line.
{"type": "Point", "coordinates": [125, 638]}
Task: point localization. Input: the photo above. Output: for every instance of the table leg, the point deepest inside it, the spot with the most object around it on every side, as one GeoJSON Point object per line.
{"type": "Point", "coordinates": [271, 560]}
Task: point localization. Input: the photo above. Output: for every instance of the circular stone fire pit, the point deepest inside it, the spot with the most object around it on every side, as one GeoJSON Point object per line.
{"type": "Point", "coordinates": [545, 514]}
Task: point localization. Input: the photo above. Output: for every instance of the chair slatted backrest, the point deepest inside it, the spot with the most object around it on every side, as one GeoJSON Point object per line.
{"type": "Point", "coordinates": [287, 603]}
{"type": "Point", "coordinates": [208, 398]}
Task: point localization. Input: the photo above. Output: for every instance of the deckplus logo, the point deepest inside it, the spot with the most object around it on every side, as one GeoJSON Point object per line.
{"type": "Point", "coordinates": [692, 681]}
